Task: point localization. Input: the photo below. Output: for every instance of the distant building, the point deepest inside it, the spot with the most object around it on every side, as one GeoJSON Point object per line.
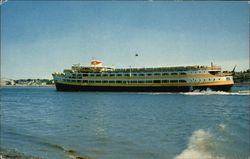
{"type": "Point", "coordinates": [5, 82]}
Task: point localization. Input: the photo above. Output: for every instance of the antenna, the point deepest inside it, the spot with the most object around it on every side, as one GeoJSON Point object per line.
{"type": "Point", "coordinates": [234, 68]}
{"type": "Point", "coordinates": [233, 71]}
{"type": "Point", "coordinates": [212, 65]}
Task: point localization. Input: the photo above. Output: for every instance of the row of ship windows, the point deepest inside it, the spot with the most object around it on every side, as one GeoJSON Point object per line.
{"type": "Point", "coordinates": [200, 80]}
{"type": "Point", "coordinates": [142, 81]}
{"type": "Point", "coordinates": [127, 74]}
{"type": "Point", "coordinates": [125, 81]}
{"type": "Point", "coordinates": [213, 79]}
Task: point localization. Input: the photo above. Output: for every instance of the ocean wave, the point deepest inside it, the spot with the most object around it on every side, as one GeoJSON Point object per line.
{"type": "Point", "coordinates": [210, 92]}
{"type": "Point", "coordinates": [200, 146]}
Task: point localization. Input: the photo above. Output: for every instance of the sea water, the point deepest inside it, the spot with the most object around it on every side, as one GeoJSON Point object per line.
{"type": "Point", "coordinates": [45, 123]}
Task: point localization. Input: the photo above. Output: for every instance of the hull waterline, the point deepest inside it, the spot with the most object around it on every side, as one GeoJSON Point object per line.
{"type": "Point", "coordinates": [65, 87]}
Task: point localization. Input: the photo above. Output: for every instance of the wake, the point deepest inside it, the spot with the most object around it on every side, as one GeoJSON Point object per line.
{"type": "Point", "coordinates": [210, 92]}
{"type": "Point", "coordinates": [204, 92]}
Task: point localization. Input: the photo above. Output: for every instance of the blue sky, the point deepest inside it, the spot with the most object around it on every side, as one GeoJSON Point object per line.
{"type": "Point", "coordinates": [38, 38]}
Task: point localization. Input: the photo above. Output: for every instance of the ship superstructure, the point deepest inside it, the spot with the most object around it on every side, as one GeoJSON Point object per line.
{"type": "Point", "coordinates": [140, 79]}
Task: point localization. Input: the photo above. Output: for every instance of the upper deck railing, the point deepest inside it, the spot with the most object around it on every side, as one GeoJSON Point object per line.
{"type": "Point", "coordinates": [80, 68]}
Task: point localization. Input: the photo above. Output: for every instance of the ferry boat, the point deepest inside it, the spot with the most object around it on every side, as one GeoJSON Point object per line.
{"type": "Point", "coordinates": [142, 79]}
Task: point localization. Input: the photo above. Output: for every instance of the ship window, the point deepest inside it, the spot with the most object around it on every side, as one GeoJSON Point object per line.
{"type": "Point", "coordinates": [105, 81]}
{"type": "Point", "coordinates": [79, 81]}
{"type": "Point", "coordinates": [174, 73]}
{"type": "Point", "coordinates": [104, 75]}
{"type": "Point", "coordinates": [157, 74]}
{"type": "Point", "coordinates": [182, 81]}
{"type": "Point", "coordinates": [173, 81]}
{"type": "Point", "coordinates": [141, 81]}
{"type": "Point", "coordinates": [133, 81]}
{"type": "Point", "coordinates": [213, 72]}
{"type": "Point", "coordinates": [149, 74]}
{"type": "Point", "coordinates": [125, 81]}
{"type": "Point", "coordinates": [91, 81]}
{"type": "Point", "coordinates": [112, 75]}
{"type": "Point", "coordinates": [126, 74]}
{"type": "Point", "coordinates": [183, 73]}
{"type": "Point", "coordinates": [118, 81]}
{"type": "Point", "coordinates": [157, 81]}
{"type": "Point", "coordinates": [119, 74]}
{"type": "Point", "coordinates": [134, 74]}
{"type": "Point", "coordinates": [98, 75]}
{"type": "Point", "coordinates": [98, 81]}
{"type": "Point", "coordinates": [85, 81]}
{"type": "Point", "coordinates": [111, 81]}
{"type": "Point", "coordinates": [165, 81]}
{"type": "Point", "coordinates": [84, 75]}
{"type": "Point", "coordinates": [141, 74]}
{"type": "Point", "coordinates": [219, 78]}
{"type": "Point", "coordinates": [92, 75]}
{"type": "Point", "coordinates": [149, 81]}
{"type": "Point", "coordinates": [228, 78]}
{"type": "Point", "coordinates": [165, 74]}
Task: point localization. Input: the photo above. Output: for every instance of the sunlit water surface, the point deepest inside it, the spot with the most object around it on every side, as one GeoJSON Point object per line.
{"type": "Point", "coordinates": [59, 125]}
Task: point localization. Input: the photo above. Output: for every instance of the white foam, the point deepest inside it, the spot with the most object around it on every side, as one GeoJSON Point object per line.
{"type": "Point", "coordinates": [222, 127]}
{"type": "Point", "coordinates": [204, 92]}
{"type": "Point", "coordinates": [199, 147]}
{"type": "Point", "coordinates": [210, 92]}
